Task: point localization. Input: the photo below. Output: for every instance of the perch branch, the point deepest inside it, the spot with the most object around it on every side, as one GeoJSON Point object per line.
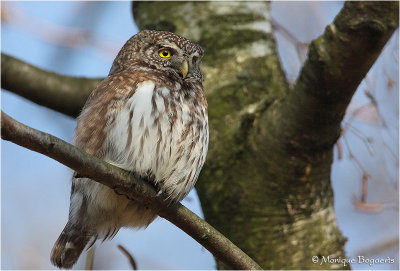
{"type": "Point", "coordinates": [129, 185]}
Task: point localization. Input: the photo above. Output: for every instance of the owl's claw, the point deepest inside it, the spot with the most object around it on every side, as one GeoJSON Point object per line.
{"type": "Point", "coordinates": [159, 192]}
{"type": "Point", "coordinates": [79, 176]}
{"type": "Point", "coordinates": [159, 187]}
{"type": "Point", "coordinates": [148, 177]}
{"type": "Point", "coordinates": [117, 190]}
{"type": "Point", "coordinates": [151, 179]}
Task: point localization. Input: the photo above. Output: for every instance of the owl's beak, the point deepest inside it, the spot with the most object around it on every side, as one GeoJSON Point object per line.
{"type": "Point", "coordinates": [184, 68]}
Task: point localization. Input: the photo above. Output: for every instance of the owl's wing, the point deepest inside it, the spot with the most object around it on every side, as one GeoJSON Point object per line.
{"type": "Point", "coordinates": [103, 103]}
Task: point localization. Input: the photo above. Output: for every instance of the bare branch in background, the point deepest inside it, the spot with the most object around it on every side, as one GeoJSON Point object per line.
{"type": "Point", "coordinates": [339, 150]}
{"type": "Point", "coordinates": [374, 207]}
{"type": "Point", "coordinates": [90, 258]}
{"type": "Point", "coordinates": [59, 35]}
{"type": "Point", "coordinates": [353, 157]}
{"type": "Point", "coordinates": [390, 82]}
{"type": "Point", "coordinates": [129, 185]}
{"type": "Point", "coordinates": [380, 247]}
{"type": "Point", "coordinates": [129, 256]}
{"type": "Point", "coordinates": [364, 180]}
{"type": "Point", "coordinates": [64, 94]}
{"type": "Point", "coordinates": [348, 127]}
{"type": "Point", "coordinates": [301, 47]}
{"type": "Point", "coordinates": [391, 152]}
{"type": "Point", "coordinates": [370, 207]}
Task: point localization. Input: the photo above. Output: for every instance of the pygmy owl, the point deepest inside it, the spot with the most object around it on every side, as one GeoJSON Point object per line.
{"type": "Point", "coordinates": [149, 116]}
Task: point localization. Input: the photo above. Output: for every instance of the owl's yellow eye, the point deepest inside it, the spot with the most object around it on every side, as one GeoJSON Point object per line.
{"type": "Point", "coordinates": [165, 53]}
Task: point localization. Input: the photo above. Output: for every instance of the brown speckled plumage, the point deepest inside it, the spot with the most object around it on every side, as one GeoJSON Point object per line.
{"type": "Point", "coordinates": [148, 116]}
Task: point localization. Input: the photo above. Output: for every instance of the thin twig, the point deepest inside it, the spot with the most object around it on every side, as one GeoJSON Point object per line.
{"type": "Point", "coordinates": [55, 34]}
{"type": "Point", "coordinates": [391, 152]}
{"type": "Point", "coordinates": [359, 111]}
{"type": "Point", "coordinates": [301, 47]}
{"type": "Point", "coordinates": [374, 103]}
{"type": "Point", "coordinates": [360, 135]}
{"type": "Point", "coordinates": [339, 150]}
{"type": "Point", "coordinates": [129, 256]}
{"type": "Point", "coordinates": [89, 258]}
{"type": "Point", "coordinates": [370, 207]}
{"type": "Point", "coordinates": [364, 183]}
{"type": "Point", "coordinates": [352, 156]}
{"type": "Point", "coordinates": [383, 245]}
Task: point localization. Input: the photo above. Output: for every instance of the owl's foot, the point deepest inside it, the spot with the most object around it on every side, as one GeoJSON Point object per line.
{"type": "Point", "coordinates": [79, 176]}
{"type": "Point", "coordinates": [147, 177]}
{"type": "Point", "coordinates": [151, 179]}
{"type": "Point", "coordinates": [120, 192]}
{"type": "Point", "coordinates": [159, 187]}
{"type": "Point", "coordinates": [117, 190]}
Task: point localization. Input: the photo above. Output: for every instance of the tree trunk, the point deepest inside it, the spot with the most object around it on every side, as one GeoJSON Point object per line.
{"type": "Point", "coordinates": [266, 182]}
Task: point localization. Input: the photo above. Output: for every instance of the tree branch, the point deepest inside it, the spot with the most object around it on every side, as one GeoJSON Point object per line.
{"type": "Point", "coordinates": [129, 185]}
{"type": "Point", "coordinates": [64, 94]}
{"type": "Point", "coordinates": [337, 62]}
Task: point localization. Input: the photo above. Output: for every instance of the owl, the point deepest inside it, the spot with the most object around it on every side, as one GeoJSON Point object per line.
{"type": "Point", "coordinates": [149, 116]}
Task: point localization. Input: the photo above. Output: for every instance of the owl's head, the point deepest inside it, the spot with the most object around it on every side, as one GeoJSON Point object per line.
{"type": "Point", "coordinates": [162, 51]}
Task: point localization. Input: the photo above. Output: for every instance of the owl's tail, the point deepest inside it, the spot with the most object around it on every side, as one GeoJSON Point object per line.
{"type": "Point", "coordinates": [69, 246]}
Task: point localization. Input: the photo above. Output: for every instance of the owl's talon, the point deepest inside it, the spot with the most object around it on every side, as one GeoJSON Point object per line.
{"type": "Point", "coordinates": [148, 177]}
{"type": "Point", "coordinates": [79, 176]}
{"type": "Point", "coordinates": [161, 190]}
{"type": "Point", "coordinates": [118, 193]}
{"type": "Point", "coordinates": [115, 188]}
{"type": "Point", "coordinates": [159, 193]}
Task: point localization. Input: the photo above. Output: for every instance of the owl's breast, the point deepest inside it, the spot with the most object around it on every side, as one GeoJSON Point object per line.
{"type": "Point", "coordinates": [163, 131]}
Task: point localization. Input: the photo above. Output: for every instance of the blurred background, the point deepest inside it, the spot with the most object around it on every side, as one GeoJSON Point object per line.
{"type": "Point", "coordinates": [82, 39]}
